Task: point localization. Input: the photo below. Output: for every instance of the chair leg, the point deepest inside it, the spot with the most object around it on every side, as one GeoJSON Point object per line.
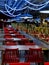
{"type": "Point", "coordinates": [41, 63]}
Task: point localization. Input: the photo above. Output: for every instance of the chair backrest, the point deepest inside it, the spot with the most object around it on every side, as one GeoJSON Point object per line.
{"type": "Point", "coordinates": [5, 29]}
{"type": "Point", "coordinates": [7, 36]}
{"type": "Point", "coordinates": [20, 36]}
{"type": "Point", "coordinates": [11, 43]}
{"type": "Point", "coordinates": [38, 54]}
{"type": "Point", "coordinates": [23, 42]}
{"type": "Point", "coordinates": [35, 55]}
{"type": "Point", "coordinates": [11, 55]}
{"type": "Point", "coordinates": [41, 35]}
{"type": "Point", "coordinates": [16, 32]}
{"type": "Point", "coordinates": [29, 43]}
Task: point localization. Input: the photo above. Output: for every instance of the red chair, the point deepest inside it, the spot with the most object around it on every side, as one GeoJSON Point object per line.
{"type": "Point", "coordinates": [11, 28]}
{"type": "Point", "coordinates": [36, 34]}
{"type": "Point", "coordinates": [7, 36]}
{"type": "Point", "coordinates": [5, 29]}
{"type": "Point", "coordinates": [29, 43]}
{"type": "Point", "coordinates": [35, 55]}
{"type": "Point", "coordinates": [16, 33]}
{"type": "Point", "coordinates": [20, 36]}
{"type": "Point", "coordinates": [11, 32]}
{"type": "Point", "coordinates": [10, 56]}
{"type": "Point", "coordinates": [42, 36]}
{"type": "Point", "coordinates": [23, 42]}
{"type": "Point", "coordinates": [20, 63]}
{"type": "Point", "coordinates": [6, 32]}
{"type": "Point", "coordinates": [11, 43]}
{"type": "Point", "coordinates": [25, 39]}
{"type": "Point", "coordinates": [47, 39]}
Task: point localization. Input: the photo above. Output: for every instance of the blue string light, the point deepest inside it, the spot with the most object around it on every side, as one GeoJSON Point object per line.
{"type": "Point", "coordinates": [16, 7]}
{"type": "Point", "coordinates": [36, 4]}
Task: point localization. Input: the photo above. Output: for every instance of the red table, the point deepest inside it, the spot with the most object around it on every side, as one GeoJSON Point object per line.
{"type": "Point", "coordinates": [19, 63]}
{"type": "Point", "coordinates": [46, 63]}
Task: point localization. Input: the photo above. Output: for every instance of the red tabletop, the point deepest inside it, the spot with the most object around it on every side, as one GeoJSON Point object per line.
{"type": "Point", "coordinates": [19, 63]}
{"type": "Point", "coordinates": [46, 63]}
